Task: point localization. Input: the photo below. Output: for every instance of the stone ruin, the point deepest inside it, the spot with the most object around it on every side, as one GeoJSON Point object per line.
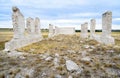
{"type": "Point", "coordinates": [32, 33]}
{"type": "Point", "coordinates": [106, 28]}
{"type": "Point", "coordinates": [92, 28]}
{"type": "Point", "coordinates": [84, 30]}
{"type": "Point", "coordinates": [20, 39]}
{"type": "Point", "coordinates": [105, 37]}
{"type": "Point", "coordinates": [64, 30]}
{"type": "Point", "coordinates": [51, 31]}
{"type": "Point", "coordinates": [60, 30]}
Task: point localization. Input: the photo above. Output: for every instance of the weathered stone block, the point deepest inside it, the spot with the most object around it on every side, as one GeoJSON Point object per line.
{"type": "Point", "coordinates": [106, 28]}
{"type": "Point", "coordinates": [51, 31]}
{"type": "Point", "coordinates": [64, 30]}
{"type": "Point", "coordinates": [105, 37]}
{"type": "Point", "coordinates": [84, 30]}
{"type": "Point", "coordinates": [18, 22]}
{"type": "Point", "coordinates": [20, 39]}
{"type": "Point", "coordinates": [92, 28]}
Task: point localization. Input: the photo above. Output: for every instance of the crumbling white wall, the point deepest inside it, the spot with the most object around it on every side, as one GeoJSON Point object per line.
{"type": "Point", "coordinates": [92, 28]}
{"type": "Point", "coordinates": [105, 37]}
{"type": "Point", "coordinates": [51, 31]}
{"type": "Point", "coordinates": [84, 30]}
{"type": "Point", "coordinates": [19, 38]}
{"type": "Point", "coordinates": [64, 30]}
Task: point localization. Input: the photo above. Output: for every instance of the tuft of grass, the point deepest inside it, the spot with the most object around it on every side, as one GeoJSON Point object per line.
{"type": "Point", "coordinates": [2, 75]}
{"type": "Point", "coordinates": [92, 42]}
{"type": "Point", "coordinates": [2, 45]}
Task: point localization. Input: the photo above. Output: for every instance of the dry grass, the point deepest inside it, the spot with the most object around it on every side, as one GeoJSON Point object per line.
{"type": "Point", "coordinates": [72, 47]}
{"type": "Point", "coordinates": [7, 35]}
{"type": "Point", "coordinates": [45, 34]}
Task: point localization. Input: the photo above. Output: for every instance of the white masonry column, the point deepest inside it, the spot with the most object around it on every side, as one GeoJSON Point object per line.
{"type": "Point", "coordinates": [30, 26]}
{"type": "Point", "coordinates": [51, 31]}
{"type": "Point", "coordinates": [107, 23]}
{"type": "Point", "coordinates": [84, 30]}
{"type": "Point", "coordinates": [37, 26]}
{"type": "Point", "coordinates": [56, 30]}
{"type": "Point", "coordinates": [106, 28]}
{"type": "Point", "coordinates": [18, 22]}
{"type": "Point", "coordinates": [92, 28]}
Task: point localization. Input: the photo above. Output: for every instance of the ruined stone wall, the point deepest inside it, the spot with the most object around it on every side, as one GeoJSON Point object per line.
{"type": "Point", "coordinates": [92, 28]}
{"type": "Point", "coordinates": [84, 30]}
{"type": "Point", "coordinates": [37, 26]}
{"type": "Point", "coordinates": [105, 37]}
{"type": "Point", "coordinates": [106, 28]}
{"type": "Point", "coordinates": [51, 31]}
{"type": "Point", "coordinates": [19, 38]}
{"type": "Point", "coordinates": [18, 22]}
{"type": "Point", "coordinates": [64, 30]}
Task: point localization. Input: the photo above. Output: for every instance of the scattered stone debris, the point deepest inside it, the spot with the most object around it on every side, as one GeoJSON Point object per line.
{"type": "Point", "coordinates": [62, 56]}
{"type": "Point", "coordinates": [72, 66]}
{"type": "Point", "coordinates": [86, 59]}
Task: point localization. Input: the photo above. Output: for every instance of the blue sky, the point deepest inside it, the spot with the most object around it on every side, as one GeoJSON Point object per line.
{"type": "Point", "coordinates": [61, 13]}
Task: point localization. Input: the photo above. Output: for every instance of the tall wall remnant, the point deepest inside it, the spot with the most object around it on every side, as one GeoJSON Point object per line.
{"type": "Point", "coordinates": [84, 30]}
{"type": "Point", "coordinates": [51, 31]}
{"type": "Point", "coordinates": [30, 25]}
{"type": "Point", "coordinates": [37, 27]}
{"type": "Point", "coordinates": [105, 37]}
{"type": "Point", "coordinates": [19, 38]}
{"type": "Point", "coordinates": [92, 28]}
{"type": "Point", "coordinates": [60, 30]}
{"type": "Point", "coordinates": [18, 22]}
{"type": "Point", "coordinates": [64, 30]}
{"type": "Point", "coordinates": [106, 28]}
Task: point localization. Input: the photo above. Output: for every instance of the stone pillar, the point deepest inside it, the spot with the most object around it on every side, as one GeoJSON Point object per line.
{"type": "Point", "coordinates": [92, 28]}
{"type": "Point", "coordinates": [106, 37]}
{"type": "Point", "coordinates": [37, 26]}
{"type": "Point", "coordinates": [18, 22]}
{"type": "Point", "coordinates": [56, 30]}
{"type": "Point", "coordinates": [106, 23]}
{"type": "Point", "coordinates": [51, 31]}
{"type": "Point", "coordinates": [30, 26]}
{"type": "Point", "coordinates": [84, 30]}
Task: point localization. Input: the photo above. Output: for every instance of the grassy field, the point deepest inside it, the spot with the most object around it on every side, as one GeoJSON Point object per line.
{"type": "Point", "coordinates": [103, 60]}
{"type": "Point", "coordinates": [7, 35]}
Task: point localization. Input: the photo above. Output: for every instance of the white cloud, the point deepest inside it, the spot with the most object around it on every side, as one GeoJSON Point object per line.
{"type": "Point", "coordinates": [86, 14]}
{"type": "Point", "coordinates": [17, 2]}
{"type": "Point", "coordinates": [74, 23]}
{"type": "Point", "coordinates": [61, 23]}
{"type": "Point", "coordinates": [49, 3]}
{"type": "Point", "coordinates": [116, 19]}
{"type": "Point", "coordinates": [114, 26]}
{"type": "Point", "coordinates": [5, 24]}
{"type": "Point", "coordinates": [63, 3]}
{"type": "Point", "coordinates": [79, 15]}
{"type": "Point", "coordinates": [37, 8]}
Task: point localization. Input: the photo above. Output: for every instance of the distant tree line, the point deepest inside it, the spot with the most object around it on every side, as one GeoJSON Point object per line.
{"type": "Point", "coordinates": [89, 30]}
{"type": "Point", "coordinates": [98, 30]}
{"type": "Point", "coordinates": [6, 29]}
{"type": "Point", "coordinates": [47, 30]}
